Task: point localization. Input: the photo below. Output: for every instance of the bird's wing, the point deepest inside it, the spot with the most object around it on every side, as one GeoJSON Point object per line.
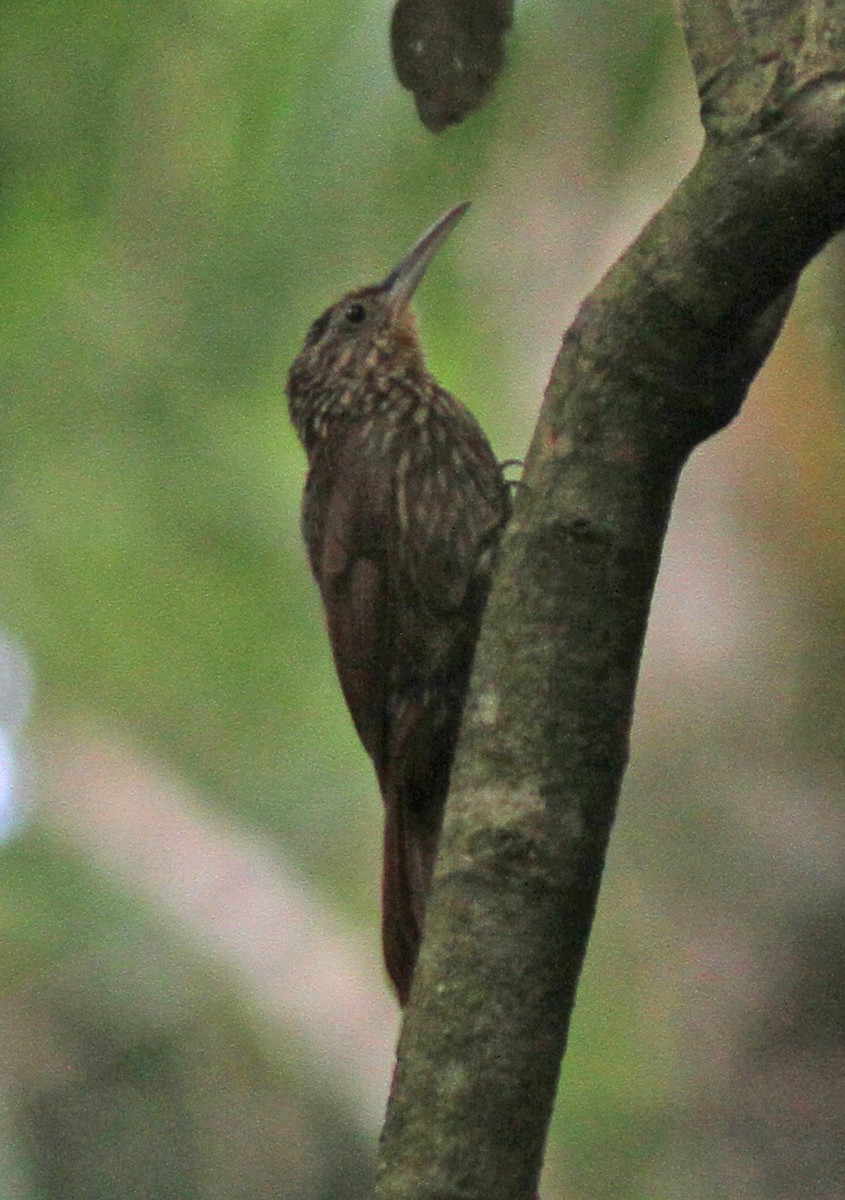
{"type": "Point", "coordinates": [348, 559]}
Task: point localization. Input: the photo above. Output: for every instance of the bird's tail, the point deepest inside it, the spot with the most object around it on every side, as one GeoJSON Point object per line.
{"type": "Point", "coordinates": [410, 848]}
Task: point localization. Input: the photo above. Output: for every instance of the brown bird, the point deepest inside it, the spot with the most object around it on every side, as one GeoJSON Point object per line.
{"type": "Point", "coordinates": [403, 509]}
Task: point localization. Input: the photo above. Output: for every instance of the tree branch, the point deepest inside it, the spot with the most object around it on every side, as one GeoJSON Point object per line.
{"type": "Point", "coordinates": [659, 357]}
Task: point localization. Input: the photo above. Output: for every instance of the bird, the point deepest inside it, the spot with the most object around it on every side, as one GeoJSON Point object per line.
{"type": "Point", "coordinates": [403, 510]}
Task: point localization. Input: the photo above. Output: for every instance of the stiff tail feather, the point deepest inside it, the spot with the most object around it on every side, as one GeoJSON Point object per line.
{"type": "Point", "coordinates": [409, 854]}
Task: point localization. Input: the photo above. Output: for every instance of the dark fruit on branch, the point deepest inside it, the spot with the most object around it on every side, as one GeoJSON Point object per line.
{"type": "Point", "coordinates": [449, 54]}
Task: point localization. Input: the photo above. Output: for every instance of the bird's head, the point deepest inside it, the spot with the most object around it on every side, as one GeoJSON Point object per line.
{"type": "Point", "coordinates": [365, 340]}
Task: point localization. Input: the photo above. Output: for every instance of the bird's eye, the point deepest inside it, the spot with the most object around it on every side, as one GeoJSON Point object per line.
{"type": "Point", "coordinates": [355, 314]}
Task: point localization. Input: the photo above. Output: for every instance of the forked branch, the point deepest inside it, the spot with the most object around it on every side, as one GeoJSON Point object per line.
{"type": "Point", "coordinates": [659, 357]}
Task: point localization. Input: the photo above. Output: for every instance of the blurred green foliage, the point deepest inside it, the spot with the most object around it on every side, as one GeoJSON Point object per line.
{"type": "Point", "coordinates": [181, 193]}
